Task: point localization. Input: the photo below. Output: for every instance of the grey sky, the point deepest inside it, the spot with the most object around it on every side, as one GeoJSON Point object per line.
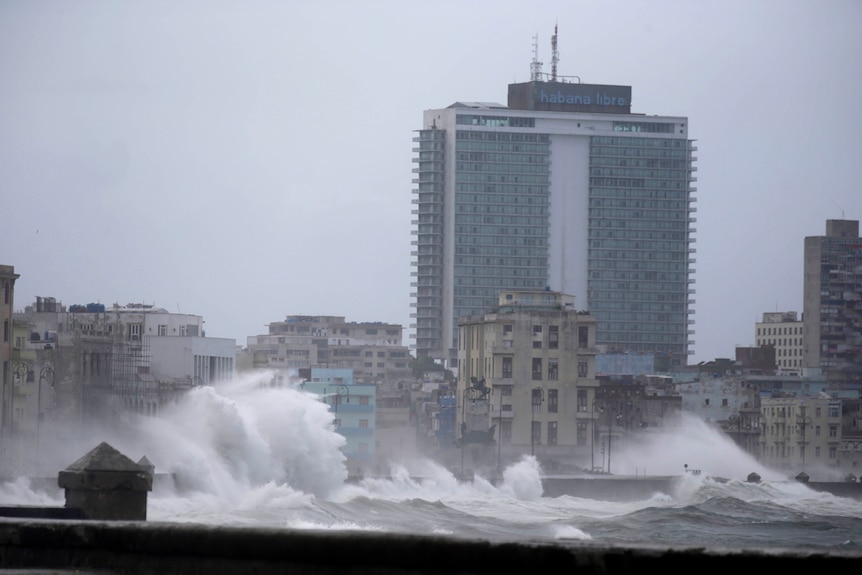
{"type": "Point", "coordinates": [244, 161]}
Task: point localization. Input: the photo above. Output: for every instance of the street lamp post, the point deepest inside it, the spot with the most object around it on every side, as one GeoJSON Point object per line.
{"type": "Point", "coordinates": [45, 374]}
{"type": "Point", "coordinates": [538, 397]}
{"type": "Point", "coordinates": [499, 426]}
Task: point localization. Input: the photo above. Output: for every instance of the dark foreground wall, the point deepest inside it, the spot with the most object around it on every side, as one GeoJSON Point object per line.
{"type": "Point", "coordinates": [166, 549]}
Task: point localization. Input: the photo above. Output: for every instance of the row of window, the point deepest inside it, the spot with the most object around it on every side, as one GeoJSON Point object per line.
{"type": "Point", "coordinates": [626, 172]}
{"type": "Point", "coordinates": [637, 234]}
{"type": "Point", "coordinates": [671, 204]}
{"type": "Point", "coordinates": [600, 287]}
{"type": "Point", "coordinates": [614, 219]}
{"type": "Point", "coordinates": [501, 136]}
{"type": "Point", "coordinates": [497, 121]}
{"type": "Point", "coordinates": [676, 143]}
{"type": "Point", "coordinates": [664, 128]}
{"type": "Point", "coordinates": [793, 330]}
{"type": "Point", "coordinates": [507, 190]}
{"type": "Point", "coordinates": [485, 248]}
{"type": "Point", "coordinates": [637, 183]}
{"type": "Point", "coordinates": [500, 178]}
{"type": "Point", "coordinates": [500, 157]}
{"type": "Point", "coordinates": [597, 255]}
{"type": "Point", "coordinates": [497, 231]}
{"type": "Point", "coordinates": [638, 162]}
{"type": "Point", "coordinates": [492, 275]}
{"type": "Point", "coordinates": [638, 153]}
{"type": "Point", "coordinates": [629, 193]}
{"type": "Point", "coordinates": [493, 146]}
{"type": "Point", "coordinates": [511, 168]}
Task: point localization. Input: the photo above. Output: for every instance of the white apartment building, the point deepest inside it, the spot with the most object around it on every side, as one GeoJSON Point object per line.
{"type": "Point", "coordinates": [783, 331]}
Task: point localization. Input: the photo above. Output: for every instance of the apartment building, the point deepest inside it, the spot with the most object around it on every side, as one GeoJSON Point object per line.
{"type": "Point", "coordinates": [782, 331]}
{"type": "Point", "coordinates": [526, 382]}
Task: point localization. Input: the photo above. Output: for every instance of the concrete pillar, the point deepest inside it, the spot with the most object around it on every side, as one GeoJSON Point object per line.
{"type": "Point", "coordinates": [105, 484]}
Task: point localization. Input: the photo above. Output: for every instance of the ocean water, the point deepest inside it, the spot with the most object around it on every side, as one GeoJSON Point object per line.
{"type": "Point", "coordinates": [244, 454]}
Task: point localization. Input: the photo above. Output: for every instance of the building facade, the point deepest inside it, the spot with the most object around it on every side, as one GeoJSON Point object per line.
{"type": "Point", "coordinates": [7, 285]}
{"type": "Point", "coordinates": [135, 357]}
{"type": "Point", "coordinates": [783, 331]}
{"type": "Point", "coordinates": [354, 414]}
{"type": "Point", "coordinates": [832, 302]}
{"type": "Point", "coordinates": [562, 188]}
{"type": "Point", "coordinates": [801, 433]}
{"type": "Point", "coordinates": [373, 350]}
{"type": "Point", "coordinates": [526, 383]}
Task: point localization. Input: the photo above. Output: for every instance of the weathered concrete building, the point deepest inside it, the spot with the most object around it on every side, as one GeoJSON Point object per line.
{"type": "Point", "coordinates": [373, 350]}
{"type": "Point", "coordinates": [783, 331]}
{"type": "Point", "coordinates": [801, 433]}
{"type": "Point", "coordinates": [832, 302]}
{"type": "Point", "coordinates": [526, 382]}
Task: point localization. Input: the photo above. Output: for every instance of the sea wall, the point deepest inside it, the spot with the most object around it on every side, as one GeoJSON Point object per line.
{"type": "Point", "coordinates": [147, 548]}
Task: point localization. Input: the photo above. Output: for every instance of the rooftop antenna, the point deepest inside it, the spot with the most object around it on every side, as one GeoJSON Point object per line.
{"type": "Point", "coordinates": [555, 55]}
{"type": "Point", "coordinates": [535, 65]}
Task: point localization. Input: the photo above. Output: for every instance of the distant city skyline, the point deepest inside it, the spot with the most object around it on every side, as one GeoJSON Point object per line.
{"type": "Point", "coordinates": [245, 162]}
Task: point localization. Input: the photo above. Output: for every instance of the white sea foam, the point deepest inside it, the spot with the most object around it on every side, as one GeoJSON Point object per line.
{"type": "Point", "coordinates": [245, 453]}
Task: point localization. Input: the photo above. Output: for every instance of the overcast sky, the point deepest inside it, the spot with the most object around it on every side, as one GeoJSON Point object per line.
{"type": "Point", "coordinates": [248, 160]}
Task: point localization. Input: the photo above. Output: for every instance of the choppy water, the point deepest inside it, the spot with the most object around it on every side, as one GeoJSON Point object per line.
{"type": "Point", "coordinates": [246, 455]}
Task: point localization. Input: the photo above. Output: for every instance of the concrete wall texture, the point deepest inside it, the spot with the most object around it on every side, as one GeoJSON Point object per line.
{"type": "Point", "coordinates": [31, 546]}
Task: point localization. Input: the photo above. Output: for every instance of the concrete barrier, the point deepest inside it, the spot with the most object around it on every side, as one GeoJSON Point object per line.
{"type": "Point", "coordinates": [165, 549]}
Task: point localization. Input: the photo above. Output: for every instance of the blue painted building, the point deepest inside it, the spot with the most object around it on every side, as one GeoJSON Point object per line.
{"type": "Point", "coordinates": [354, 411]}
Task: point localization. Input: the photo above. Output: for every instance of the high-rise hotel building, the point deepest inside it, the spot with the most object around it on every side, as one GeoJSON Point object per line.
{"type": "Point", "coordinates": [564, 189]}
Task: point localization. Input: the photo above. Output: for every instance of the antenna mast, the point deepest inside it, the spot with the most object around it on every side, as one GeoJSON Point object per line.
{"type": "Point", "coordinates": [555, 56]}
{"type": "Point", "coordinates": [535, 65]}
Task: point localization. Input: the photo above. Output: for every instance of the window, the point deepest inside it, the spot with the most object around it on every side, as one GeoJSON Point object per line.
{"type": "Point", "coordinates": [833, 431]}
{"type": "Point", "coordinates": [582, 400]}
{"type": "Point", "coordinates": [706, 401]}
{"type": "Point", "coordinates": [363, 400]}
{"type": "Point", "coordinates": [536, 433]}
{"type": "Point", "coordinates": [363, 424]}
{"type": "Point", "coordinates": [552, 401]}
{"type": "Point", "coordinates": [163, 330]}
{"type": "Point", "coordinates": [582, 369]}
{"type": "Point", "coordinates": [537, 369]}
{"type": "Point", "coordinates": [507, 368]}
{"type": "Point", "coordinates": [582, 433]}
{"type": "Point", "coordinates": [553, 337]}
{"type": "Point", "coordinates": [553, 369]}
{"type": "Point", "coordinates": [135, 331]}
{"type": "Point", "coordinates": [336, 423]}
{"type": "Point", "coordinates": [552, 433]}
{"type": "Point", "coordinates": [724, 402]}
{"type": "Point", "coordinates": [583, 336]}
{"type": "Point", "coordinates": [5, 330]}
{"type": "Point", "coordinates": [506, 431]}
{"type": "Point", "coordinates": [537, 330]}
{"type": "Point", "coordinates": [536, 399]}
{"type": "Point", "coordinates": [507, 329]}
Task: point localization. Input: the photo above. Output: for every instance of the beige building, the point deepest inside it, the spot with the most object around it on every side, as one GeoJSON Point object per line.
{"type": "Point", "coordinates": [801, 434]}
{"type": "Point", "coordinates": [7, 284]}
{"type": "Point", "coordinates": [783, 331]}
{"type": "Point", "coordinates": [373, 350]}
{"type": "Point", "coordinates": [526, 382]}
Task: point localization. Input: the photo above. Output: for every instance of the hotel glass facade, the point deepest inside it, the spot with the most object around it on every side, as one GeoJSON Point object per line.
{"type": "Point", "coordinates": [596, 205]}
